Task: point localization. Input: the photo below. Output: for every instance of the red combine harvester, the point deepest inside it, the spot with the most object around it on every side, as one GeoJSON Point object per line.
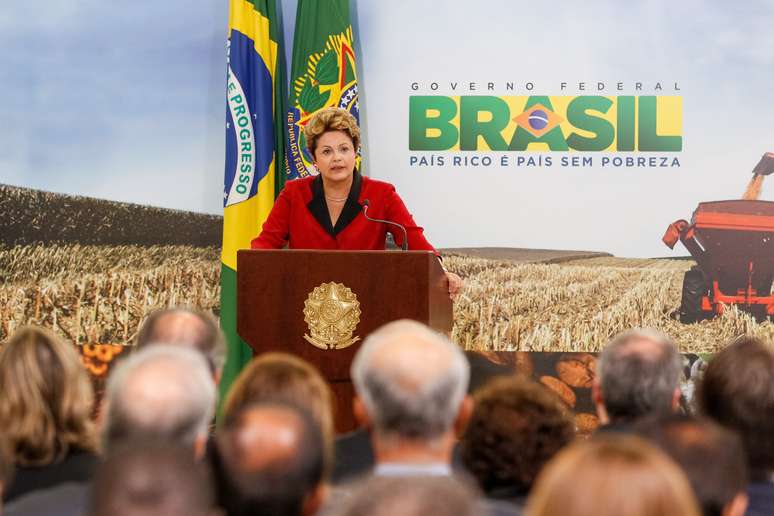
{"type": "Point", "coordinates": [733, 245]}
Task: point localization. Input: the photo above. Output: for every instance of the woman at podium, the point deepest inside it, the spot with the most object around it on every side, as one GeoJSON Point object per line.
{"type": "Point", "coordinates": [328, 211]}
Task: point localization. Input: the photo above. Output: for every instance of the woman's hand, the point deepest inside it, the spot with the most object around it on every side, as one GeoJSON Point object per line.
{"type": "Point", "coordinates": [455, 284]}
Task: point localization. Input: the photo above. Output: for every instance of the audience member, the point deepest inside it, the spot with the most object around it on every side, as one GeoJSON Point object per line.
{"type": "Point", "coordinates": [410, 385]}
{"type": "Point", "coordinates": [46, 402]}
{"type": "Point", "coordinates": [612, 475]}
{"type": "Point", "coordinates": [416, 496]}
{"type": "Point", "coordinates": [6, 470]}
{"type": "Point", "coordinates": [186, 327]}
{"type": "Point", "coordinates": [517, 426]}
{"type": "Point", "coordinates": [152, 479]}
{"type": "Point", "coordinates": [638, 374]}
{"type": "Point", "coordinates": [269, 461]}
{"type": "Point", "coordinates": [160, 393]}
{"type": "Point", "coordinates": [280, 377]}
{"type": "Point", "coordinates": [353, 456]}
{"type": "Point", "coordinates": [711, 457]}
{"type": "Point", "coordinates": [273, 454]}
{"type": "Point", "coordinates": [65, 499]}
{"type": "Point", "coordinates": [737, 391]}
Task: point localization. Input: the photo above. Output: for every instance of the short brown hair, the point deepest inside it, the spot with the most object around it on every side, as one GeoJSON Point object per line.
{"type": "Point", "coordinates": [692, 443]}
{"type": "Point", "coordinates": [331, 119]}
{"type": "Point", "coordinates": [737, 391]}
{"type": "Point", "coordinates": [516, 428]}
{"type": "Point", "coordinates": [280, 377]}
{"type": "Point", "coordinates": [47, 398]}
{"type": "Point", "coordinates": [615, 475]}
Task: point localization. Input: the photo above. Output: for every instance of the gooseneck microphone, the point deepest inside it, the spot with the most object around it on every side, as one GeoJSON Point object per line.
{"type": "Point", "coordinates": [403, 246]}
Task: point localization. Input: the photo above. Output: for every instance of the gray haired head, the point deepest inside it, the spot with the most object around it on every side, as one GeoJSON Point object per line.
{"type": "Point", "coordinates": [411, 380]}
{"type": "Point", "coordinates": [638, 372]}
{"type": "Point", "coordinates": [159, 393]}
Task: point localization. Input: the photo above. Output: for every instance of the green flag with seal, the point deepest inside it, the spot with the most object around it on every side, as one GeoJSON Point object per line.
{"type": "Point", "coordinates": [322, 73]}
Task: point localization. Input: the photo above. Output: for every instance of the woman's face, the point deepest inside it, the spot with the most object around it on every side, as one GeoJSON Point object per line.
{"type": "Point", "coordinates": [335, 157]}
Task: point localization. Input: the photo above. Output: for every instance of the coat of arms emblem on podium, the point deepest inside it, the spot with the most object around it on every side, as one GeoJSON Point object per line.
{"type": "Point", "coordinates": [331, 312]}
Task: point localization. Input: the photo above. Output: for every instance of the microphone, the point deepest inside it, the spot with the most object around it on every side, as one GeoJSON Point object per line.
{"type": "Point", "coordinates": [404, 246]}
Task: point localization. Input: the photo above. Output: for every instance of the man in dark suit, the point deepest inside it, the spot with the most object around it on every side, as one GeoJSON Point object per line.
{"type": "Point", "coordinates": [411, 393]}
{"type": "Point", "coordinates": [410, 385]}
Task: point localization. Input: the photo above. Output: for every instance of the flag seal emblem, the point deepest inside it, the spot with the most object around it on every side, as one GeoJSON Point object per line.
{"type": "Point", "coordinates": [330, 80]}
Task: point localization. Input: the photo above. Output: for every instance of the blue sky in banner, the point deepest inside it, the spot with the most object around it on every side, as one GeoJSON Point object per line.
{"type": "Point", "coordinates": [721, 53]}
{"type": "Point", "coordinates": [126, 101]}
{"type": "Point", "coordinates": [115, 100]}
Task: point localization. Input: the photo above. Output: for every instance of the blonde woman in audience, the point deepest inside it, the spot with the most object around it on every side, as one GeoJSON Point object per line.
{"type": "Point", "coordinates": [279, 377]}
{"type": "Point", "coordinates": [46, 403]}
{"type": "Point", "coordinates": [614, 475]}
{"type": "Point", "coordinates": [6, 470]}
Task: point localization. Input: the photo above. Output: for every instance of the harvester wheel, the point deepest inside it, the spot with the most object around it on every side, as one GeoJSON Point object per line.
{"type": "Point", "coordinates": [694, 288]}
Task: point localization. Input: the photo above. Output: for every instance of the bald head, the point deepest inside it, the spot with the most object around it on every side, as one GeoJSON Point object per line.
{"type": "Point", "coordinates": [411, 379]}
{"type": "Point", "coordinates": [269, 460]}
{"type": "Point", "coordinates": [177, 326]}
{"type": "Point", "coordinates": [185, 327]}
{"type": "Point", "coordinates": [162, 392]}
{"type": "Point", "coordinates": [265, 438]}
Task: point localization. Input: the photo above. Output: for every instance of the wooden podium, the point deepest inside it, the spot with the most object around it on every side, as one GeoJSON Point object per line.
{"type": "Point", "coordinates": [278, 289]}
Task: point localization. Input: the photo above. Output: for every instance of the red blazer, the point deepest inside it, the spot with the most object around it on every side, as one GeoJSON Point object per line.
{"type": "Point", "coordinates": [300, 218]}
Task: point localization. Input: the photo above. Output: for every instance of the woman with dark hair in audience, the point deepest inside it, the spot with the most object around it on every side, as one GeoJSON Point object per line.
{"type": "Point", "coordinates": [516, 428]}
{"type": "Point", "coordinates": [615, 475]}
{"type": "Point", "coordinates": [46, 403]}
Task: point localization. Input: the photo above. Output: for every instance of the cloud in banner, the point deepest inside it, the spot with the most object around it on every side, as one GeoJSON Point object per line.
{"type": "Point", "coordinates": [99, 99]}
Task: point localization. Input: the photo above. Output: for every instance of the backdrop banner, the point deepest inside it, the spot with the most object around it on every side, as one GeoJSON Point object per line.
{"type": "Point", "coordinates": [545, 147]}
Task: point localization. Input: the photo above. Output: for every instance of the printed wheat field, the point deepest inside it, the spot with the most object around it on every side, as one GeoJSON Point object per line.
{"type": "Point", "coordinates": [94, 294]}
{"type": "Point", "coordinates": [100, 294]}
{"type": "Point", "coordinates": [579, 305]}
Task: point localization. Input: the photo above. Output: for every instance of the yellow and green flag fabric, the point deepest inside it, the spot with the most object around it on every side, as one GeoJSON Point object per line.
{"type": "Point", "coordinates": [323, 73]}
{"type": "Point", "coordinates": [255, 149]}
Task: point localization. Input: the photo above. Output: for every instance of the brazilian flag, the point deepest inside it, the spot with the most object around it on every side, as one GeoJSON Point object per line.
{"type": "Point", "coordinates": [323, 73]}
{"type": "Point", "coordinates": [255, 148]}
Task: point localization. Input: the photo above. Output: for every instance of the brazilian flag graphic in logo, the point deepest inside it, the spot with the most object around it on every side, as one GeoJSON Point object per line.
{"type": "Point", "coordinates": [323, 73]}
